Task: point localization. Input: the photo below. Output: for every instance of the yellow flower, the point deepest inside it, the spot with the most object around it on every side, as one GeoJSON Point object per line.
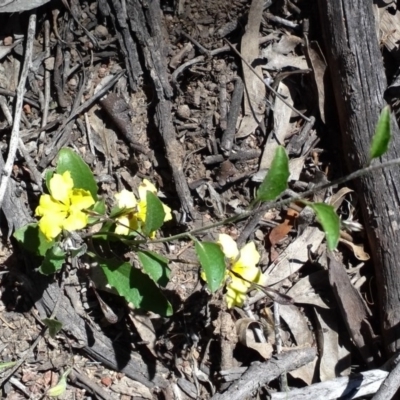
{"type": "Point", "coordinates": [136, 219]}
{"type": "Point", "coordinates": [126, 222]}
{"type": "Point", "coordinates": [243, 263]}
{"type": "Point", "coordinates": [62, 208]}
{"type": "Point", "coordinates": [145, 187]}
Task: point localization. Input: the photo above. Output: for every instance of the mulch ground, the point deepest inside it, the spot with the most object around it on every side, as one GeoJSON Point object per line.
{"type": "Point", "coordinates": [183, 110]}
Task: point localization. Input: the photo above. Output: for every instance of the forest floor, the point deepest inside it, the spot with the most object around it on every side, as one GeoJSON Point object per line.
{"type": "Point", "coordinates": [206, 151]}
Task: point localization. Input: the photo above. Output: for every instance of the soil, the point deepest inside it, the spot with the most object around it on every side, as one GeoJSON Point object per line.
{"type": "Point", "coordinates": [203, 347]}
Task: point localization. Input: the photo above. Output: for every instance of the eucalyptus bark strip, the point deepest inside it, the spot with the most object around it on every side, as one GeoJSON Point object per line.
{"type": "Point", "coordinates": [358, 78]}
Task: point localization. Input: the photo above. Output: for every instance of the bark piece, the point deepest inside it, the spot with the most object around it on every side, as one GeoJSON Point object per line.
{"type": "Point", "coordinates": [98, 346]}
{"type": "Point", "coordinates": [353, 387]}
{"type": "Point", "coordinates": [358, 78]}
{"type": "Point", "coordinates": [261, 373]}
{"type": "Point", "coordinates": [147, 26]}
{"type": "Point", "coordinates": [354, 311]}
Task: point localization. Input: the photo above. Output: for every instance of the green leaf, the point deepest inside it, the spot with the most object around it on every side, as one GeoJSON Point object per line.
{"type": "Point", "coordinates": [8, 364]}
{"type": "Point", "coordinates": [155, 213]}
{"type": "Point", "coordinates": [212, 260]}
{"type": "Point", "coordinates": [156, 266]}
{"type": "Point", "coordinates": [276, 179]}
{"type": "Point", "coordinates": [99, 208]}
{"type": "Point", "coordinates": [48, 175]}
{"type": "Point", "coordinates": [33, 240]}
{"type": "Point", "coordinates": [53, 325]}
{"type": "Point", "coordinates": [329, 221]}
{"type": "Point", "coordinates": [53, 260]}
{"type": "Point", "coordinates": [382, 136]}
{"type": "Point", "coordinates": [61, 386]}
{"type": "Point", "coordinates": [135, 286]}
{"type": "Point", "coordinates": [81, 174]}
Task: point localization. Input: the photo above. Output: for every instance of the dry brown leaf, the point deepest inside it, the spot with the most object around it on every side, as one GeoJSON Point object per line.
{"type": "Point", "coordinates": [357, 249]}
{"type": "Point", "coordinates": [104, 139]}
{"type": "Point", "coordinates": [129, 387]}
{"type": "Point", "coordinates": [389, 29]}
{"type": "Point", "coordinates": [296, 166]}
{"type": "Point", "coordinates": [294, 256]}
{"type": "Point", "coordinates": [280, 231]}
{"type": "Point", "coordinates": [145, 330]}
{"type": "Point", "coordinates": [298, 325]}
{"type": "Point", "coordinates": [255, 89]}
{"type": "Point", "coordinates": [328, 344]}
{"type": "Point", "coordinates": [247, 337]}
{"type": "Point", "coordinates": [277, 60]}
{"type": "Point", "coordinates": [353, 309]}
{"type": "Point", "coordinates": [319, 66]}
{"type": "Point", "coordinates": [336, 199]}
{"type": "Point", "coordinates": [282, 114]}
{"type": "Point", "coordinates": [307, 289]}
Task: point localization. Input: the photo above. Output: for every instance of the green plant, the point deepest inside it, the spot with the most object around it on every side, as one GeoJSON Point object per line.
{"type": "Point", "coordinates": [72, 204]}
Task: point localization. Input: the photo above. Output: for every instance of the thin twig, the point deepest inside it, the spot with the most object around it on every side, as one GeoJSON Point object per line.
{"type": "Point", "coordinates": [46, 100]}
{"type": "Point", "coordinates": [228, 136]}
{"type": "Point", "coordinates": [201, 48]}
{"type": "Point", "coordinates": [28, 100]}
{"type": "Point", "coordinates": [282, 21]}
{"type": "Point", "coordinates": [278, 343]}
{"type": "Point", "coordinates": [89, 102]}
{"type": "Point", "coordinates": [265, 83]}
{"type": "Point", "coordinates": [13, 146]}
{"type": "Point", "coordinates": [6, 111]}
{"type": "Point", "coordinates": [214, 52]}
{"type": "Point", "coordinates": [74, 113]}
{"type": "Point", "coordinates": [36, 176]}
{"type": "Point", "coordinates": [280, 203]}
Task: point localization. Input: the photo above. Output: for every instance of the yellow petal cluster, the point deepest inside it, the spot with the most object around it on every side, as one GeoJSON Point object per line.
{"type": "Point", "coordinates": [243, 263]}
{"type": "Point", "coordinates": [135, 218]}
{"type": "Point", "coordinates": [63, 207]}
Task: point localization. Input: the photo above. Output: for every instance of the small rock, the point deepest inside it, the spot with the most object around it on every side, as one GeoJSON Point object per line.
{"type": "Point", "coordinates": [72, 83]}
{"type": "Point", "coordinates": [101, 31]}
{"type": "Point", "coordinates": [183, 111]}
{"type": "Point", "coordinates": [49, 63]}
{"type": "Point", "coordinates": [106, 381]}
{"type": "Point", "coordinates": [102, 72]}
{"type": "Point", "coordinates": [8, 41]}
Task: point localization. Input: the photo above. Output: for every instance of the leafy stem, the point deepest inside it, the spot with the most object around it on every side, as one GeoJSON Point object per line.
{"type": "Point", "coordinates": [280, 203]}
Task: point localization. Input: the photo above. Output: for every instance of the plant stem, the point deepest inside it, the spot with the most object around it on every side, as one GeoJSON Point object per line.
{"type": "Point", "coordinates": [280, 203]}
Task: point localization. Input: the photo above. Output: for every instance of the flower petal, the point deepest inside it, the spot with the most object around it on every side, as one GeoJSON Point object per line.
{"type": "Point", "coordinates": [249, 256]}
{"type": "Point", "coordinates": [168, 213]}
{"type": "Point", "coordinates": [234, 299]}
{"type": "Point", "coordinates": [126, 199]}
{"type": "Point", "coordinates": [141, 211]}
{"type": "Point", "coordinates": [251, 274]}
{"type": "Point", "coordinates": [60, 186]}
{"type": "Point", "coordinates": [127, 224]}
{"type": "Point", "coordinates": [48, 204]}
{"type": "Point", "coordinates": [144, 187]}
{"type": "Point", "coordinates": [238, 285]}
{"type": "Point", "coordinates": [229, 246]}
{"type": "Point", "coordinates": [80, 200]}
{"type": "Point", "coordinates": [51, 225]}
{"type": "Point", "coordinates": [75, 221]}
{"type": "Point", "coordinates": [260, 279]}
